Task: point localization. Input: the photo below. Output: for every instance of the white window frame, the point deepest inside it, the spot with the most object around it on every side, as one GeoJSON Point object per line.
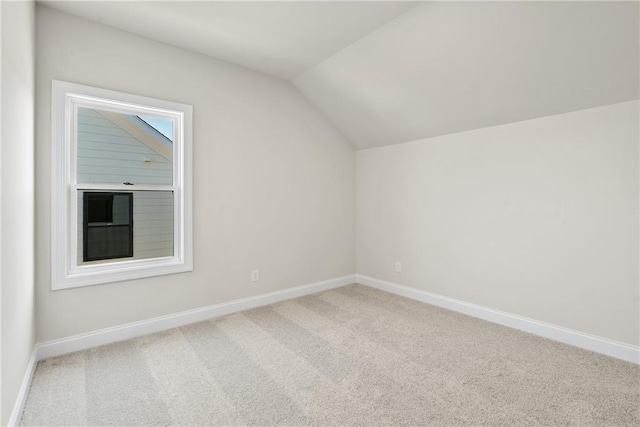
{"type": "Point", "coordinates": [66, 273]}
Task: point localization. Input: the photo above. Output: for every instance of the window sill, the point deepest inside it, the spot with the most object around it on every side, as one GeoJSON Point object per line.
{"type": "Point", "coordinates": [120, 271]}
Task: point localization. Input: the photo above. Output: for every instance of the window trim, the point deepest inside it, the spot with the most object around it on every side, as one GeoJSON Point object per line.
{"type": "Point", "coordinates": [66, 97]}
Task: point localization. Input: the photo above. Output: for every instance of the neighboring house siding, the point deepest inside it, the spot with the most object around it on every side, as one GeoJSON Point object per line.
{"type": "Point", "coordinates": [108, 154]}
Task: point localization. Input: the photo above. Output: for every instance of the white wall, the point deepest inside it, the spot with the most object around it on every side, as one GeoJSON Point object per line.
{"type": "Point", "coordinates": [274, 183]}
{"type": "Point", "coordinates": [537, 218]}
{"type": "Point", "coordinates": [17, 223]}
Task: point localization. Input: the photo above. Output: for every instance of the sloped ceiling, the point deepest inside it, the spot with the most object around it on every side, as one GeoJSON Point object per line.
{"type": "Point", "coordinates": [391, 72]}
{"type": "Point", "coordinates": [282, 39]}
{"type": "Point", "coordinates": [449, 67]}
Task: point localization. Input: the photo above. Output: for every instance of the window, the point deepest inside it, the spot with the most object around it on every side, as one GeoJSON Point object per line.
{"type": "Point", "coordinates": [107, 226]}
{"type": "Point", "coordinates": [121, 186]}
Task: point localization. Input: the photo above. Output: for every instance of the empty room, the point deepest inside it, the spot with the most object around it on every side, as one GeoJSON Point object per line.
{"type": "Point", "coordinates": [371, 213]}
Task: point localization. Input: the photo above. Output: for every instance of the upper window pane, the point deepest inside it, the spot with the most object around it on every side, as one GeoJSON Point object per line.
{"type": "Point", "coordinates": [114, 148]}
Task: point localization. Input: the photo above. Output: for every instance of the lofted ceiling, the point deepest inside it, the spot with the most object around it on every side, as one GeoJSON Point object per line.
{"type": "Point", "coordinates": [282, 39]}
{"type": "Point", "coordinates": [449, 67]}
{"type": "Point", "coordinates": [391, 72]}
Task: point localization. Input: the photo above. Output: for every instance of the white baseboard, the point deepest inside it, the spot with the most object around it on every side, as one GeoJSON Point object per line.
{"type": "Point", "coordinates": [132, 330]}
{"type": "Point", "coordinates": [18, 407]}
{"type": "Point", "coordinates": [601, 345]}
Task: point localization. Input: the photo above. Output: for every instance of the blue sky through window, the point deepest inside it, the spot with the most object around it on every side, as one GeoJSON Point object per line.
{"type": "Point", "coordinates": [163, 126]}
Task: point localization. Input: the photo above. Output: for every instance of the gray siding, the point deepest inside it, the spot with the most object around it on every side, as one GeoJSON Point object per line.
{"type": "Point", "coordinates": [108, 154]}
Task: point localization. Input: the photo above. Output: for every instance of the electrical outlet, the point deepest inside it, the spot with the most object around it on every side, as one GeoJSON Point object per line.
{"type": "Point", "coordinates": [398, 267]}
{"type": "Point", "coordinates": [255, 275]}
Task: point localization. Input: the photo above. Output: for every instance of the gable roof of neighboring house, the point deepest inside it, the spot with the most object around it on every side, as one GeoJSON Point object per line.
{"type": "Point", "coordinates": [142, 131]}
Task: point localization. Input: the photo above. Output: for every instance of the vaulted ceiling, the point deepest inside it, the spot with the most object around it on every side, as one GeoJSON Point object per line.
{"type": "Point", "coordinates": [278, 38]}
{"type": "Point", "coordinates": [391, 72]}
{"type": "Point", "coordinates": [449, 67]}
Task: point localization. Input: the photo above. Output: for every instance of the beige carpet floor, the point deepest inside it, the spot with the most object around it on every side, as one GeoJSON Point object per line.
{"type": "Point", "coordinates": [349, 356]}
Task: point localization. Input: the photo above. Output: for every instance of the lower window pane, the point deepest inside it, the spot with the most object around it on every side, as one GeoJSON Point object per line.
{"type": "Point", "coordinates": [117, 226]}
